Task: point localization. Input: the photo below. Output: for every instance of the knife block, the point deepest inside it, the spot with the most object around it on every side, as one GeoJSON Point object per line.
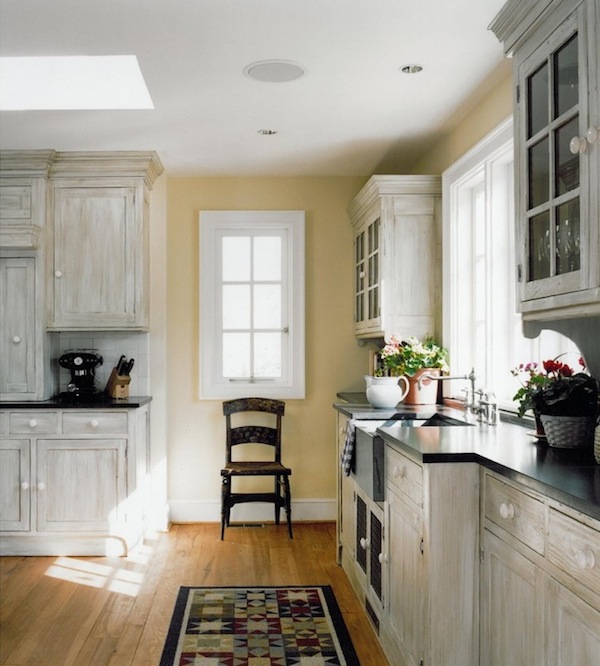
{"type": "Point", "coordinates": [117, 385]}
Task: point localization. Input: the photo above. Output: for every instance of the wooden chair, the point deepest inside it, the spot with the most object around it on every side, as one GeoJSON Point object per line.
{"type": "Point", "coordinates": [255, 434]}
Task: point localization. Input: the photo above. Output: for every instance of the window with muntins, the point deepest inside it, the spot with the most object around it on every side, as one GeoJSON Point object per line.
{"type": "Point", "coordinates": [251, 304]}
{"type": "Point", "coordinates": [482, 328]}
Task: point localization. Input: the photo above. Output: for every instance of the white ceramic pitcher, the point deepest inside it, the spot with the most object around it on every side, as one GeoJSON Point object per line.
{"type": "Point", "coordinates": [385, 392]}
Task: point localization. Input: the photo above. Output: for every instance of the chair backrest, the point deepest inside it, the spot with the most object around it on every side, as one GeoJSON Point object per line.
{"type": "Point", "coordinates": [250, 433]}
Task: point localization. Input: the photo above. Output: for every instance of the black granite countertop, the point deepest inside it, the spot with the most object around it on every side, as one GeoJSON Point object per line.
{"type": "Point", "coordinates": [570, 476]}
{"type": "Point", "coordinates": [54, 403]}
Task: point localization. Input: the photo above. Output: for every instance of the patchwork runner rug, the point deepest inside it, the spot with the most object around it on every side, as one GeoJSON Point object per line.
{"type": "Point", "coordinates": [257, 626]}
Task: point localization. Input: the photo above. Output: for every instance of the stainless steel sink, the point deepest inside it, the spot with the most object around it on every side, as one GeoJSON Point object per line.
{"type": "Point", "coordinates": [369, 459]}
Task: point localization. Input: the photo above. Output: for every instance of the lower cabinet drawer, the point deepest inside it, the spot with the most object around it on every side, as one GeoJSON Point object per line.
{"type": "Point", "coordinates": [574, 548]}
{"type": "Point", "coordinates": [516, 512]}
{"type": "Point", "coordinates": [32, 423]}
{"type": "Point", "coordinates": [94, 423]}
{"type": "Point", "coordinates": [404, 475]}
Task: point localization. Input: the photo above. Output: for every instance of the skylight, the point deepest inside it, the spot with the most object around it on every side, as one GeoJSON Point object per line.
{"type": "Point", "coordinates": [72, 82]}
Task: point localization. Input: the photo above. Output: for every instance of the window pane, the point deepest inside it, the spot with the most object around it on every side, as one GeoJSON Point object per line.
{"type": "Point", "coordinates": [567, 237]}
{"type": "Point", "coordinates": [267, 258]}
{"type": "Point", "coordinates": [539, 246]}
{"type": "Point", "coordinates": [236, 306]}
{"type": "Point", "coordinates": [567, 164]}
{"type": "Point", "coordinates": [539, 188]}
{"type": "Point", "coordinates": [236, 258]}
{"type": "Point", "coordinates": [537, 97]}
{"type": "Point", "coordinates": [267, 306]}
{"type": "Point", "coordinates": [566, 77]}
{"type": "Point", "coordinates": [236, 355]}
{"type": "Point", "coordinates": [267, 355]}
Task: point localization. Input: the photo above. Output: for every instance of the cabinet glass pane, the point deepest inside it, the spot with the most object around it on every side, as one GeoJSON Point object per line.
{"type": "Point", "coordinates": [539, 246]}
{"type": "Point", "coordinates": [538, 166]}
{"type": "Point", "coordinates": [567, 237]}
{"type": "Point", "coordinates": [267, 355]}
{"type": "Point", "coordinates": [267, 258]}
{"type": "Point", "coordinates": [537, 97]}
{"type": "Point", "coordinates": [373, 303]}
{"type": "Point", "coordinates": [236, 258]}
{"type": "Point", "coordinates": [566, 77]}
{"type": "Point", "coordinates": [566, 168]}
{"type": "Point", "coordinates": [236, 354]}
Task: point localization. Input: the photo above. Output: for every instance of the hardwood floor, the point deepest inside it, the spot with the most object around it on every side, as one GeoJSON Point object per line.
{"type": "Point", "coordinates": [103, 611]}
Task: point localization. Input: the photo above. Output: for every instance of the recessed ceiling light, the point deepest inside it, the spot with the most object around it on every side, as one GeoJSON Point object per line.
{"type": "Point", "coordinates": [274, 71]}
{"type": "Point", "coordinates": [411, 69]}
{"type": "Point", "coordinates": [72, 82]}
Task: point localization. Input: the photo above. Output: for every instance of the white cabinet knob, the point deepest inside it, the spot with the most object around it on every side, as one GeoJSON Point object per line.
{"type": "Point", "coordinates": [41, 486]}
{"type": "Point", "coordinates": [58, 274]}
{"type": "Point", "coordinates": [364, 543]}
{"type": "Point", "coordinates": [578, 144]}
{"type": "Point", "coordinates": [94, 423]}
{"type": "Point", "coordinates": [383, 558]}
{"type": "Point", "coordinates": [593, 134]}
{"type": "Point", "coordinates": [507, 510]}
{"type": "Point", "coordinates": [585, 558]}
{"type": "Point", "coordinates": [32, 423]}
{"type": "Point", "coordinates": [16, 339]}
{"type": "Point", "coordinates": [24, 486]}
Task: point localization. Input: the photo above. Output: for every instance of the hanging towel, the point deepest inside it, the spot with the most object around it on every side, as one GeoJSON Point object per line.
{"type": "Point", "coordinates": [347, 457]}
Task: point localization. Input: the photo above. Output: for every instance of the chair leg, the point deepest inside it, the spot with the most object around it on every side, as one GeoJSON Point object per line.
{"type": "Point", "coordinates": [225, 495]}
{"type": "Point", "coordinates": [277, 499]}
{"type": "Point", "coordinates": [288, 503]}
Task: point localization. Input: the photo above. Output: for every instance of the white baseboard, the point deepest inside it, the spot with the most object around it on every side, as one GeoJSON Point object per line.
{"type": "Point", "coordinates": [191, 511]}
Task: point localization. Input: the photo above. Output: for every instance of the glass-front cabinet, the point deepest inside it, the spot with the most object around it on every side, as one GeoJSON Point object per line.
{"type": "Point", "coordinates": [366, 272]}
{"type": "Point", "coordinates": [396, 266]}
{"type": "Point", "coordinates": [557, 114]}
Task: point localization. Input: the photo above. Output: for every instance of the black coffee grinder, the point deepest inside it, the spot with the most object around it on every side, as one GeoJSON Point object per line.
{"type": "Point", "coordinates": [82, 364]}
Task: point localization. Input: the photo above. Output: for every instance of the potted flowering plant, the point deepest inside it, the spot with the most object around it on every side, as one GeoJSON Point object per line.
{"type": "Point", "coordinates": [413, 358]}
{"type": "Point", "coordinates": [565, 402]}
{"type": "Point", "coordinates": [406, 357]}
{"type": "Point", "coordinates": [555, 388]}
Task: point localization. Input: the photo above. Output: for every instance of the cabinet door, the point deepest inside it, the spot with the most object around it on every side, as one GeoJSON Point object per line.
{"type": "Point", "coordinates": [367, 259]}
{"type": "Point", "coordinates": [558, 241]}
{"type": "Point", "coordinates": [15, 485]}
{"type": "Point", "coordinates": [348, 515]}
{"type": "Point", "coordinates": [405, 602]}
{"type": "Point", "coordinates": [17, 339]}
{"type": "Point", "coordinates": [574, 629]}
{"type": "Point", "coordinates": [98, 242]}
{"type": "Point", "coordinates": [512, 606]}
{"type": "Point", "coordinates": [81, 484]}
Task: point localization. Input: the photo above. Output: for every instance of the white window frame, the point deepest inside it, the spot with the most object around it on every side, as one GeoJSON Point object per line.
{"type": "Point", "coordinates": [486, 334]}
{"type": "Point", "coordinates": [290, 226]}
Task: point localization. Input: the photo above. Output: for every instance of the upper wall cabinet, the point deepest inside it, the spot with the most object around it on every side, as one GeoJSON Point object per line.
{"type": "Point", "coordinates": [98, 254]}
{"type": "Point", "coordinates": [23, 182]}
{"type": "Point", "coordinates": [396, 242]}
{"type": "Point", "coordinates": [554, 44]}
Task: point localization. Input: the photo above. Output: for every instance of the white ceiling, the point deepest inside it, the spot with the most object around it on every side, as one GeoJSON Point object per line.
{"type": "Point", "coordinates": [352, 113]}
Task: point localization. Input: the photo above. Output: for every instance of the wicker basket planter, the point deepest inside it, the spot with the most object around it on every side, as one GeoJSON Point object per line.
{"type": "Point", "coordinates": [569, 432]}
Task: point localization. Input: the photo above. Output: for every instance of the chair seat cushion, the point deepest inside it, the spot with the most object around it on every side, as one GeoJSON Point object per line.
{"type": "Point", "coordinates": [248, 468]}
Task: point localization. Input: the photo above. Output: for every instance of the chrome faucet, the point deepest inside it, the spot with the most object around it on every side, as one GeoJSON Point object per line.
{"type": "Point", "coordinates": [470, 401]}
{"type": "Point", "coordinates": [487, 409]}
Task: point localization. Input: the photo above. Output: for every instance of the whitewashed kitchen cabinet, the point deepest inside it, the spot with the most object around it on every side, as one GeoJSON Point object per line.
{"type": "Point", "coordinates": [432, 537]}
{"type": "Point", "coordinates": [26, 349]}
{"type": "Point", "coordinates": [556, 66]}
{"type": "Point", "coordinates": [73, 480]}
{"type": "Point", "coordinates": [540, 579]}
{"type": "Point", "coordinates": [346, 524]}
{"type": "Point", "coordinates": [23, 184]}
{"type": "Point", "coordinates": [396, 256]}
{"type": "Point", "coordinates": [369, 556]}
{"type": "Point", "coordinates": [99, 253]}
{"type": "Point", "coordinates": [512, 608]}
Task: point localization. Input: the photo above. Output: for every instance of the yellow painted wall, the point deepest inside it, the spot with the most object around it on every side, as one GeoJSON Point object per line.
{"type": "Point", "coordinates": [334, 361]}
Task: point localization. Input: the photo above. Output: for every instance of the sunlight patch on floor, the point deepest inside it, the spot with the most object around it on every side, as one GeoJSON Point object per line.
{"type": "Point", "coordinates": [101, 576]}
